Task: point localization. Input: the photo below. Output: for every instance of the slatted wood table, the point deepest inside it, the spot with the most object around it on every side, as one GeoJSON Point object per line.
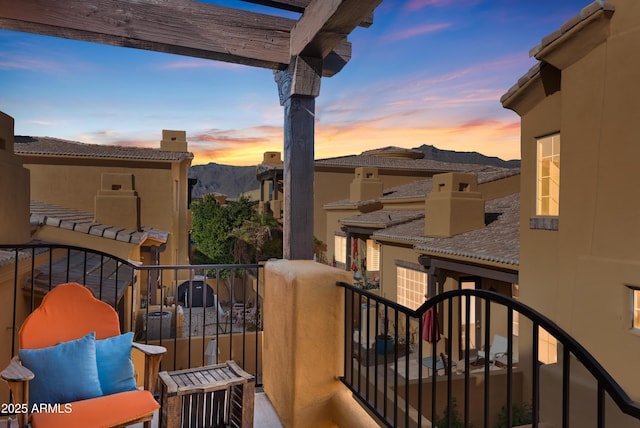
{"type": "Point", "coordinates": [218, 395]}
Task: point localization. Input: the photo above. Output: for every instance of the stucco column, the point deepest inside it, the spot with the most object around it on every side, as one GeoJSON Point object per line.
{"type": "Point", "coordinates": [304, 346]}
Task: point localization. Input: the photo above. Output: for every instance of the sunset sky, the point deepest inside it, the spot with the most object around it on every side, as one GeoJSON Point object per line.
{"type": "Point", "coordinates": [426, 72]}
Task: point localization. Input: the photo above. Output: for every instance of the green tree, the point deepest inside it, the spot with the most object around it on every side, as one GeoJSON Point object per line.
{"type": "Point", "coordinates": [258, 238]}
{"type": "Point", "coordinates": [212, 224]}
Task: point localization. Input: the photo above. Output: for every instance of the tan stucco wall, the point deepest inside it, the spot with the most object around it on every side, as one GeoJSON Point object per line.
{"type": "Point", "coordinates": [578, 275]}
{"type": "Point", "coordinates": [75, 186]}
{"type": "Point", "coordinates": [389, 253]}
{"type": "Point", "coordinates": [499, 188]}
{"type": "Point", "coordinates": [583, 404]}
{"type": "Point", "coordinates": [333, 218]}
{"type": "Point", "coordinates": [303, 348]}
{"type": "Point", "coordinates": [14, 189]}
{"type": "Point", "coordinates": [240, 347]}
{"type": "Point", "coordinates": [497, 388]}
{"type": "Point", "coordinates": [332, 186]}
{"type": "Point", "coordinates": [74, 183]}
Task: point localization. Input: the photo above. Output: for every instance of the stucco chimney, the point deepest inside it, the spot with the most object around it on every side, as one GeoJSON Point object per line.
{"type": "Point", "coordinates": [15, 189]}
{"type": "Point", "coordinates": [173, 141]}
{"type": "Point", "coordinates": [454, 205]}
{"type": "Point", "coordinates": [366, 185]}
{"type": "Point", "coordinates": [272, 157]}
{"type": "Point", "coordinates": [117, 203]}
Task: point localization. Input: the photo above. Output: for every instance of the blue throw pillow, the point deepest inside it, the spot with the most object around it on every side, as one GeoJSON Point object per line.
{"type": "Point", "coordinates": [63, 373]}
{"type": "Point", "coordinates": [115, 367]}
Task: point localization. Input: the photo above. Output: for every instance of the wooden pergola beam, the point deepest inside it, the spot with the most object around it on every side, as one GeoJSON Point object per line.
{"type": "Point", "coordinates": [290, 5]}
{"type": "Point", "coordinates": [326, 23]}
{"type": "Point", "coordinates": [179, 27]}
{"type": "Point", "coordinates": [300, 6]}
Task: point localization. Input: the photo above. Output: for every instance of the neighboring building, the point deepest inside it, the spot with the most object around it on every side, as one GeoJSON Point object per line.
{"type": "Point", "coordinates": [365, 211]}
{"type": "Point", "coordinates": [435, 235]}
{"type": "Point", "coordinates": [392, 166]}
{"type": "Point", "coordinates": [124, 188]}
{"type": "Point", "coordinates": [270, 175]}
{"type": "Point", "coordinates": [379, 170]}
{"type": "Point", "coordinates": [129, 202]}
{"type": "Point", "coordinates": [579, 234]}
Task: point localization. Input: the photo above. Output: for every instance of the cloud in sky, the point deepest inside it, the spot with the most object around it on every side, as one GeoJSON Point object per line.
{"type": "Point", "coordinates": [9, 61]}
{"type": "Point", "coordinates": [42, 122]}
{"type": "Point", "coordinates": [410, 32]}
{"type": "Point", "coordinates": [419, 4]}
{"type": "Point", "coordinates": [414, 5]}
{"type": "Point", "coordinates": [196, 63]}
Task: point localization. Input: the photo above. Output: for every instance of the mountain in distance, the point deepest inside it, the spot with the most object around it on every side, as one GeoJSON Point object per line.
{"type": "Point", "coordinates": [226, 179]}
{"type": "Point", "coordinates": [434, 153]}
{"type": "Point", "coordinates": [234, 181]}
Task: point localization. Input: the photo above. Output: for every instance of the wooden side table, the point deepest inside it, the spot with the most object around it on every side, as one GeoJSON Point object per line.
{"type": "Point", "coordinates": [209, 396]}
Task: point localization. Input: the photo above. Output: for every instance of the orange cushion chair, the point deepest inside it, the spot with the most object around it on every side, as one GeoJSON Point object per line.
{"type": "Point", "coordinates": [71, 314]}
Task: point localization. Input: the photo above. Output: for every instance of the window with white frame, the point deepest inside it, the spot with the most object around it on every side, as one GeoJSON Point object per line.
{"type": "Point", "coordinates": [548, 176]}
{"type": "Point", "coordinates": [412, 285]}
{"type": "Point", "coordinates": [340, 249]}
{"type": "Point", "coordinates": [547, 347]}
{"type": "Point", "coordinates": [373, 256]}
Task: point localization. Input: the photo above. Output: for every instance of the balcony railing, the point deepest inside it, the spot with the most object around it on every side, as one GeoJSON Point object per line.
{"type": "Point", "coordinates": [443, 376]}
{"type": "Point", "coordinates": [166, 305]}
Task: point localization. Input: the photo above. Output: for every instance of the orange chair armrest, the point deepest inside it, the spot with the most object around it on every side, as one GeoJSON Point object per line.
{"type": "Point", "coordinates": [16, 372]}
{"type": "Point", "coordinates": [150, 349]}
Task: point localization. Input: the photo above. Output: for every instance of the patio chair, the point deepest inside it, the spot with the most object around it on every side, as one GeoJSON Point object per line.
{"type": "Point", "coordinates": [498, 350]}
{"type": "Point", "coordinates": [74, 368]}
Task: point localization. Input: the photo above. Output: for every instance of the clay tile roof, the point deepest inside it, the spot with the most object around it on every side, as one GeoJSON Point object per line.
{"type": "Point", "coordinates": [585, 13]}
{"type": "Point", "coordinates": [498, 241]}
{"type": "Point", "coordinates": [395, 151]}
{"type": "Point", "coordinates": [493, 173]}
{"type": "Point", "coordinates": [56, 147]}
{"type": "Point", "coordinates": [7, 257]}
{"type": "Point", "coordinates": [382, 218]}
{"type": "Point", "coordinates": [415, 189]}
{"type": "Point", "coordinates": [355, 161]}
{"type": "Point", "coordinates": [82, 222]}
{"type": "Point", "coordinates": [420, 188]}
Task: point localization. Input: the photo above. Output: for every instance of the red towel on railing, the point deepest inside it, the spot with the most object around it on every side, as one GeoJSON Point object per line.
{"type": "Point", "coordinates": [430, 328]}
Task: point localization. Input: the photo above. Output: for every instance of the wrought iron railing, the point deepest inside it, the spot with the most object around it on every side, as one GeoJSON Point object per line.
{"type": "Point", "coordinates": [31, 270]}
{"type": "Point", "coordinates": [408, 382]}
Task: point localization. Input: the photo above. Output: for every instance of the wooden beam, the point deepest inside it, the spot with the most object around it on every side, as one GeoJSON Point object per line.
{"type": "Point", "coordinates": [326, 23]}
{"type": "Point", "coordinates": [297, 87]}
{"type": "Point", "coordinates": [299, 6]}
{"type": "Point", "coordinates": [299, 117]}
{"type": "Point", "coordinates": [337, 59]}
{"type": "Point", "coordinates": [178, 27]}
{"type": "Point", "coordinates": [188, 28]}
{"type": "Point", "coordinates": [290, 5]}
